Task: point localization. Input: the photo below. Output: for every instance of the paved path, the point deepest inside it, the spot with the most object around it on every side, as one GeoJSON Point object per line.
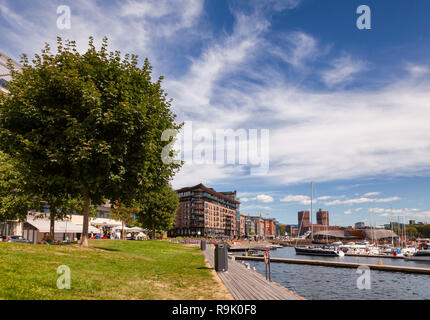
{"type": "Point", "coordinates": [246, 284]}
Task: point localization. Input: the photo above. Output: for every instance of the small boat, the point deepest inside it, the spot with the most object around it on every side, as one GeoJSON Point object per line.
{"type": "Point", "coordinates": [318, 251]}
{"type": "Point", "coordinates": [420, 255]}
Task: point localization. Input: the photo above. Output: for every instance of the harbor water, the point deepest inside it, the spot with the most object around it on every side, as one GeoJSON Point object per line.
{"type": "Point", "coordinates": [327, 283]}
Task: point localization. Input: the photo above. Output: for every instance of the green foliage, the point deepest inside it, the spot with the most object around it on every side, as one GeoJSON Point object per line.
{"type": "Point", "coordinates": [424, 230]}
{"type": "Point", "coordinates": [15, 200]}
{"type": "Point", "coordinates": [282, 229]}
{"type": "Point", "coordinates": [87, 125]}
{"type": "Point", "coordinates": [412, 232]}
{"type": "Point", "coordinates": [158, 208]}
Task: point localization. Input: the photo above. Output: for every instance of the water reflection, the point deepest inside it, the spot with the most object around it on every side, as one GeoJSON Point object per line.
{"type": "Point", "coordinates": [320, 283]}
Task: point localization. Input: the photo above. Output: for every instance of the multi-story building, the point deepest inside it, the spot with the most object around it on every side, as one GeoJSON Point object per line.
{"type": "Point", "coordinates": [269, 228]}
{"type": "Point", "coordinates": [291, 229]}
{"type": "Point", "coordinates": [250, 228]}
{"type": "Point", "coordinates": [241, 226]}
{"type": "Point", "coordinates": [359, 225]}
{"type": "Point", "coordinates": [322, 217]}
{"type": "Point", "coordinates": [304, 221]}
{"type": "Point", "coordinates": [205, 212]}
{"type": "Point", "coordinates": [322, 224]}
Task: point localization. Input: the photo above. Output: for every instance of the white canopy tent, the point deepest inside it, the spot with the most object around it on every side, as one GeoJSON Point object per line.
{"type": "Point", "coordinates": [43, 225]}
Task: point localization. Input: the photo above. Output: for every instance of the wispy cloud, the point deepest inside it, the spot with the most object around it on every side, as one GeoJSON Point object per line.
{"type": "Point", "coordinates": [342, 71]}
{"type": "Point", "coordinates": [361, 200]}
{"type": "Point", "coordinates": [371, 194]}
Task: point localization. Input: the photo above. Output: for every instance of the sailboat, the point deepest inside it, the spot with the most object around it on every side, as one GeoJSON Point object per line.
{"type": "Point", "coordinates": [326, 250]}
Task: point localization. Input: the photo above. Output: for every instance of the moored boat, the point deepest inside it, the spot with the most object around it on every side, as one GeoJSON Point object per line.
{"type": "Point", "coordinates": [318, 251]}
{"type": "Point", "coordinates": [420, 255]}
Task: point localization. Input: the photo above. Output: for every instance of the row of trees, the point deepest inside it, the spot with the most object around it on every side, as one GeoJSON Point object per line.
{"type": "Point", "coordinates": [76, 129]}
{"type": "Point", "coordinates": [415, 231]}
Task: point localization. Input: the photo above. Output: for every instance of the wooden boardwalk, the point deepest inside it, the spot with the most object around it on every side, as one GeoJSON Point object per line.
{"type": "Point", "coordinates": [246, 284]}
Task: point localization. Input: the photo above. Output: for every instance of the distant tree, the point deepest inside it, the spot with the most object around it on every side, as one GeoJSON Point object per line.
{"type": "Point", "coordinates": [88, 123]}
{"type": "Point", "coordinates": [424, 230]}
{"type": "Point", "coordinates": [282, 230]}
{"type": "Point", "coordinates": [123, 214]}
{"type": "Point", "coordinates": [158, 208]}
{"type": "Point", "coordinates": [412, 232]}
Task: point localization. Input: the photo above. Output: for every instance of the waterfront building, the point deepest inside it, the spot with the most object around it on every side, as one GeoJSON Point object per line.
{"type": "Point", "coordinates": [304, 222]}
{"type": "Point", "coordinates": [291, 229]}
{"type": "Point", "coordinates": [359, 225]}
{"type": "Point", "coordinates": [241, 226]}
{"type": "Point", "coordinates": [205, 212]}
{"type": "Point", "coordinates": [322, 217]}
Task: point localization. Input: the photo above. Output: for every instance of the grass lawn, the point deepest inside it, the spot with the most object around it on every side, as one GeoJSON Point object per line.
{"type": "Point", "coordinates": [108, 269]}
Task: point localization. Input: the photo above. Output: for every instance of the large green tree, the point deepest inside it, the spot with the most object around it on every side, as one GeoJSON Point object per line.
{"type": "Point", "coordinates": [15, 198]}
{"type": "Point", "coordinates": [90, 123]}
{"type": "Point", "coordinates": [158, 208]}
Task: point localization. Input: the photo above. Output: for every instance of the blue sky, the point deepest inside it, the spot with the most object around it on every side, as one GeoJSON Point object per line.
{"type": "Point", "coordinates": [345, 108]}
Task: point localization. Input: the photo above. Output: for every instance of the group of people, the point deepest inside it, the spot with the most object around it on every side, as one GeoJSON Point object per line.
{"type": "Point", "coordinates": [106, 235]}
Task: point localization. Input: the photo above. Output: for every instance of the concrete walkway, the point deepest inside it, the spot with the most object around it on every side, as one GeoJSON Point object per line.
{"type": "Point", "coordinates": [246, 284]}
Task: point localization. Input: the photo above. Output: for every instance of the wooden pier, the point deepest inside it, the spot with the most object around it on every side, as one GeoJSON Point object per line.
{"type": "Point", "coordinates": [246, 284]}
{"type": "Point", "coordinates": [337, 264]}
{"type": "Point", "coordinates": [374, 256]}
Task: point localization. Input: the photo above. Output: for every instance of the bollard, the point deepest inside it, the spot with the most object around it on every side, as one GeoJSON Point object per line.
{"type": "Point", "coordinates": [203, 245]}
{"type": "Point", "coordinates": [221, 257]}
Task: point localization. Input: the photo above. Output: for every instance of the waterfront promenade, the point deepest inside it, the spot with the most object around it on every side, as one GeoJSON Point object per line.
{"type": "Point", "coordinates": [246, 284]}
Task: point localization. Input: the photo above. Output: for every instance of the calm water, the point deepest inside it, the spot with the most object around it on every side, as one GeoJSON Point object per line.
{"type": "Point", "coordinates": [318, 283]}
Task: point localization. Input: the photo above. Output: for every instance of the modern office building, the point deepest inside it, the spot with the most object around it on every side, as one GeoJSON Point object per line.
{"type": "Point", "coordinates": [205, 212]}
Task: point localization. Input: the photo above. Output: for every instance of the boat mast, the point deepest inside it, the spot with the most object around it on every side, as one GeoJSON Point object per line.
{"type": "Point", "coordinates": [391, 226]}
{"type": "Point", "coordinates": [312, 224]}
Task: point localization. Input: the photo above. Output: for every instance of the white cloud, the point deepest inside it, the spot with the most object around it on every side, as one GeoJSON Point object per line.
{"type": "Point", "coordinates": [361, 200]}
{"type": "Point", "coordinates": [342, 71]}
{"type": "Point", "coordinates": [348, 211]}
{"type": "Point", "coordinates": [296, 48]}
{"type": "Point", "coordinates": [305, 200]}
{"type": "Point", "coordinates": [326, 197]}
{"type": "Point", "coordinates": [371, 194]}
{"type": "Point", "coordinates": [264, 198]}
{"type": "Point", "coordinates": [416, 70]}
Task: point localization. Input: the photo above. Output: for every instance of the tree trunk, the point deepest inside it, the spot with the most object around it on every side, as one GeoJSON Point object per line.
{"type": "Point", "coordinates": [52, 225]}
{"type": "Point", "coordinates": [84, 237]}
{"type": "Point", "coordinates": [123, 235]}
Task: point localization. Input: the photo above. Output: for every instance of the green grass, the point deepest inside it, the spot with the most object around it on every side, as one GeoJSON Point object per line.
{"type": "Point", "coordinates": [108, 269]}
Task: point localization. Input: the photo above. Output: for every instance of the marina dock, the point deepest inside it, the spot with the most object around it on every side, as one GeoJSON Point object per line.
{"type": "Point", "coordinates": [246, 284]}
{"type": "Point", "coordinates": [337, 264]}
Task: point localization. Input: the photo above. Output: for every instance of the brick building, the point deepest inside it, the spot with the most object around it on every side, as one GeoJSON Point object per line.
{"type": "Point", "coordinates": [304, 221]}
{"type": "Point", "coordinates": [205, 212]}
{"type": "Point", "coordinates": [322, 217]}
